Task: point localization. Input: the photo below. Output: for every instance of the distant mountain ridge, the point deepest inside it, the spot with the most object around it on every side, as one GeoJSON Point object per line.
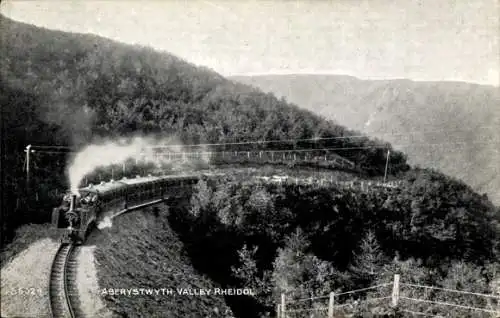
{"type": "Point", "coordinates": [450, 126]}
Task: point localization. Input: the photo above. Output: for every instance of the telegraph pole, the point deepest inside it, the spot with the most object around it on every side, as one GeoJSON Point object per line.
{"type": "Point", "coordinates": [28, 151]}
{"type": "Point", "coordinates": [386, 164]}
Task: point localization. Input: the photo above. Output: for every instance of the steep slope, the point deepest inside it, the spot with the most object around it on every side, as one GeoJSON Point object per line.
{"type": "Point", "coordinates": [401, 111]}
{"type": "Point", "coordinates": [59, 88]}
{"type": "Point", "coordinates": [140, 250]}
{"type": "Point", "coordinates": [87, 86]}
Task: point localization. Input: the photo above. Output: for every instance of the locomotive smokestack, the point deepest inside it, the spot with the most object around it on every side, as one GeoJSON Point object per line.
{"type": "Point", "coordinates": [72, 202]}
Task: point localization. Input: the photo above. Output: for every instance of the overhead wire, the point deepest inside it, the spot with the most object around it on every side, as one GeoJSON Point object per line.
{"type": "Point", "coordinates": [321, 149]}
{"type": "Point", "coordinates": [316, 139]}
{"type": "Point", "coordinates": [321, 138]}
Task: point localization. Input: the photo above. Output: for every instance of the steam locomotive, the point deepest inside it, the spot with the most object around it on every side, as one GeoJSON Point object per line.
{"type": "Point", "coordinates": [79, 213]}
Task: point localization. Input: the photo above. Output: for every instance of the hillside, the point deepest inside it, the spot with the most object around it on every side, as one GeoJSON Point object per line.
{"type": "Point", "coordinates": [151, 256]}
{"type": "Point", "coordinates": [312, 239]}
{"type": "Point", "coordinates": [400, 110]}
{"type": "Point", "coordinates": [66, 89]}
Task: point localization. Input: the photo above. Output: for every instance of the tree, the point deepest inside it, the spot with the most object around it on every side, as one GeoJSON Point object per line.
{"type": "Point", "coordinates": [200, 200]}
{"type": "Point", "coordinates": [260, 201]}
{"type": "Point", "coordinates": [298, 272]}
{"type": "Point", "coordinates": [249, 273]}
{"type": "Point", "coordinates": [370, 259]}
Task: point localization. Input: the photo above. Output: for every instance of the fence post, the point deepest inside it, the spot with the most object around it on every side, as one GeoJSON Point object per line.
{"type": "Point", "coordinates": [278, 311]}
{"type": "Point", "coordinates": [331, 303]}
{"type": "Point", "coordinates": [283, 306]}
{"type": "Point", "coordinates": [395, 291]}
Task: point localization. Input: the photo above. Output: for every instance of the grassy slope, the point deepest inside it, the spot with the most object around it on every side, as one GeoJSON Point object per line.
{"type": "Point", "coordinates": [402, 106]}
{"type": "Point", "coordinates": [142, 251]}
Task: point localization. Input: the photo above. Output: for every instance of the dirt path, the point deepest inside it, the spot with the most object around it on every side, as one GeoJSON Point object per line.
{"type": "Point", "coordinates": [88, 287]}
{"type": "Point", "coordinates": [25, 281]}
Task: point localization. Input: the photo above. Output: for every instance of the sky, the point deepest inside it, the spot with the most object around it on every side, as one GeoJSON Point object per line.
{"type": "Point", "coordinates": [375, 39]}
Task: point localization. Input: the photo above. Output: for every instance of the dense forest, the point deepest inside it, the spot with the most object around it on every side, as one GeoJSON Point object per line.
{"type": "Point", "coordinates": [310, 240]}
{"type": "Point", "coordinates": [71, 89]}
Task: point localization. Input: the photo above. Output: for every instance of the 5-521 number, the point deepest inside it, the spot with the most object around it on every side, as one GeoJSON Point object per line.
{"type": "Point", "coordinates": [25, 292]}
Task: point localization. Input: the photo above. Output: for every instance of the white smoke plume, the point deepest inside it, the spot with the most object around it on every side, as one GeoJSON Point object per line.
{"type": "Point", "coordinates": [113, 152]}
{"type": "Point", "coordinates": [106, 222]}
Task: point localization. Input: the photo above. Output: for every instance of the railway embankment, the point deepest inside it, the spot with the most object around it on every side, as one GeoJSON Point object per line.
{"type": "Point", "coordinates": [141, 263]}
{"type": "Point", "coordinates": [90, 300]}
{"type": "Point", "coordinates": [25, 280]}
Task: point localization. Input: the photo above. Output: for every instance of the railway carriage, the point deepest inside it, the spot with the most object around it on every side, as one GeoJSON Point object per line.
{"type": "Point", "coordinates": [78, 214]}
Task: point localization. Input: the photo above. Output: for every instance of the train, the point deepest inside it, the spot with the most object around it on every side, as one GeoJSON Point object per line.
{"type": "Point", "coordinates": [80, 212]}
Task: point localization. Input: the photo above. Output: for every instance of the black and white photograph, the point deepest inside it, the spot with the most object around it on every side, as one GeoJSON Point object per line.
{"type": "Point", "coordinates": [250, 158]}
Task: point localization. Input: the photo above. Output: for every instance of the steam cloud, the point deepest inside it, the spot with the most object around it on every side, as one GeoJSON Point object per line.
{"type": "Point", "coordinates": [106, 222]}
{"type": "Point", "coordinates": [118, 152]}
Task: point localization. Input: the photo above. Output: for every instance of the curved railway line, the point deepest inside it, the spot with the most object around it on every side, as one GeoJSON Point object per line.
{"type": "Point", "coordinates": [62, 288]}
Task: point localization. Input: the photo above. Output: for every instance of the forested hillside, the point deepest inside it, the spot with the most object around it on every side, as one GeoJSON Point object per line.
{"type": "Point", "coordinates": [71, 89]}
{"type": "Point", "coordinates": [308, 240]}
{"type": "Point", "coordinates": [450, 126]}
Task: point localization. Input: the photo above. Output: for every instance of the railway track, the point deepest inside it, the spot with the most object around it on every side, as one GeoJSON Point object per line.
{"type": "Point", "coordinates": [63, 292]}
